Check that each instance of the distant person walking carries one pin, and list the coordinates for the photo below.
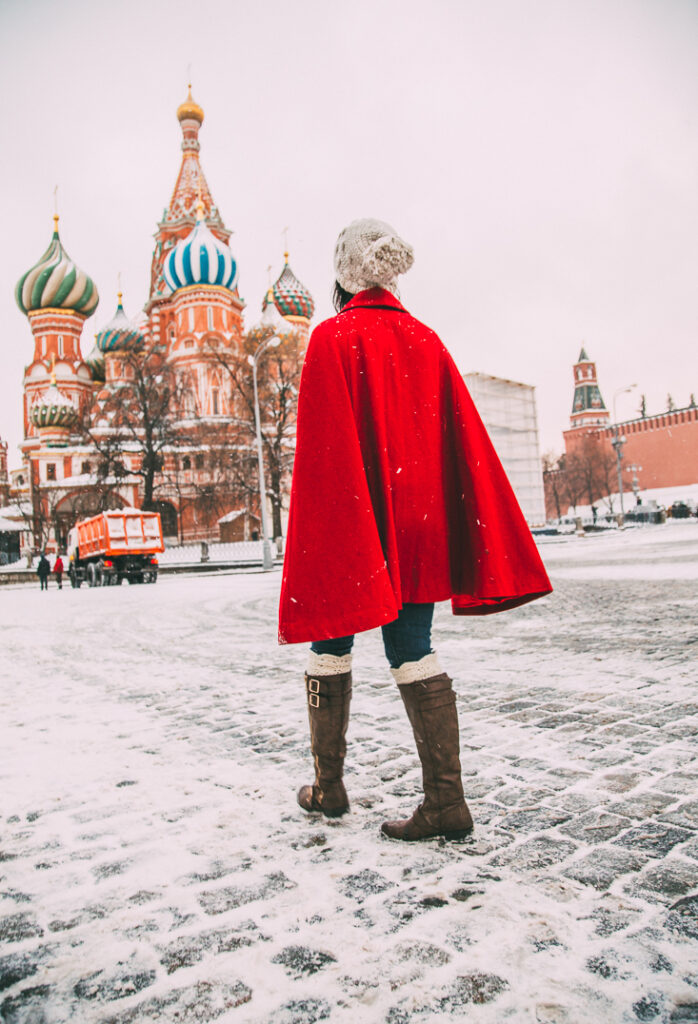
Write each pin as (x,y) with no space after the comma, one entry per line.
(398,501)
(43,570)
(58,571)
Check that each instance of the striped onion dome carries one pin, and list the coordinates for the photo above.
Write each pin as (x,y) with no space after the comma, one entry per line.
(200,258)
(95,362)
(53,409)
(120,334)
(291,298)
(56,283)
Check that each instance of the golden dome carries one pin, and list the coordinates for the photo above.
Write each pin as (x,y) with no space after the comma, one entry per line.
(190,109)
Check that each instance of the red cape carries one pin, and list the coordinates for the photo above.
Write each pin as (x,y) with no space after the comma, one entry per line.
(397,493)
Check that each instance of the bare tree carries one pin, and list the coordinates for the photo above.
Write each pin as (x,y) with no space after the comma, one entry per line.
(589,469)
(278,379)
(553,481)
(139,417)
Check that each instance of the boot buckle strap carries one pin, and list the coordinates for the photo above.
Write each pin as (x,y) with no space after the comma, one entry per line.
(314,693)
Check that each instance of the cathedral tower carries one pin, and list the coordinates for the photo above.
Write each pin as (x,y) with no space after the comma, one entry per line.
(57,297)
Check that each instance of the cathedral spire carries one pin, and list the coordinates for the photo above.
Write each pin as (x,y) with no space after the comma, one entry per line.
(190,200)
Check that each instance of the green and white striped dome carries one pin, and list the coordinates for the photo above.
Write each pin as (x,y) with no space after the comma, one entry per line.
(95,362)
(56,283)
(53,409)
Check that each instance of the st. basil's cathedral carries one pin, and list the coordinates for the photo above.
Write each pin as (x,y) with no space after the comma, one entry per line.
(193,311)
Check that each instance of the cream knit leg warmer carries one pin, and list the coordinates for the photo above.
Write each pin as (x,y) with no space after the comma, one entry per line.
(328,664)
(414,671)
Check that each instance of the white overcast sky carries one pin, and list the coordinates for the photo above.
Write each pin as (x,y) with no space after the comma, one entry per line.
(540,155)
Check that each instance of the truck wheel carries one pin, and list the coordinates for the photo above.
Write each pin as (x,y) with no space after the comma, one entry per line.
(92,575)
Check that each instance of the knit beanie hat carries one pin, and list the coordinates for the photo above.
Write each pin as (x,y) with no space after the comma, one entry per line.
(369,254)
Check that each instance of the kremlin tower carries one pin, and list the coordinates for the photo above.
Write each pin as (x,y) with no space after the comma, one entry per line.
(588,407)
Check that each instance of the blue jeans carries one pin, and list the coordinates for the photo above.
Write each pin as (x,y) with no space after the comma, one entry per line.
(408,638)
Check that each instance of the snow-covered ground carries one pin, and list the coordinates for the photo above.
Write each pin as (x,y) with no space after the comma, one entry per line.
(155,867)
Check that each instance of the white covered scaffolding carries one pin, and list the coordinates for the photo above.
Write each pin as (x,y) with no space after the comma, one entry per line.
(508,410)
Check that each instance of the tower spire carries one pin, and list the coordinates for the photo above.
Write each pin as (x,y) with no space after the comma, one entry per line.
(191,198)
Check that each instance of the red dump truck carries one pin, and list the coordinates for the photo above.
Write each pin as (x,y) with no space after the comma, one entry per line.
(118,545)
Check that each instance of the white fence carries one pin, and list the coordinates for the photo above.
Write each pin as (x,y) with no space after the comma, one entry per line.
(246,552)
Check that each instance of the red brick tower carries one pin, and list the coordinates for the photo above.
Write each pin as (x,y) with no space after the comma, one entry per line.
(588,409)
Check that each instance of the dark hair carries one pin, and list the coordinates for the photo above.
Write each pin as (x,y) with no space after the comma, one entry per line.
(340,296)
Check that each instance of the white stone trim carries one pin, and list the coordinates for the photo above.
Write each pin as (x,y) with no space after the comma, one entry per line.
(328,664)
(413,671)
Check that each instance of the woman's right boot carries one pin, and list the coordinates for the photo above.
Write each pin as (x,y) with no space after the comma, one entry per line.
(328,689)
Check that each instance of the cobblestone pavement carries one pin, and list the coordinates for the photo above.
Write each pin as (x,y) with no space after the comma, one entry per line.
(154,865)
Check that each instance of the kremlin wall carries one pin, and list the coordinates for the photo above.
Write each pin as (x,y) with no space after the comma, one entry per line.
(663,448)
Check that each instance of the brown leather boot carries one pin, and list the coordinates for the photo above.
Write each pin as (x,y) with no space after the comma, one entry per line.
(431,709)
(328,710)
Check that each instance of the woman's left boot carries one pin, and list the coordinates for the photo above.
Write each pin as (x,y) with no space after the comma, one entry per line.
(430,703)
(328,688)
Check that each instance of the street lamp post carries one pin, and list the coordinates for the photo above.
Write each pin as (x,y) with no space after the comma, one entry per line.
(272,342)
(635,481)
(617,441)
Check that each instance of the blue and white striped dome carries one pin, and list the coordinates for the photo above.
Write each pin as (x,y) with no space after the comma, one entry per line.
(120,334)
(200,258)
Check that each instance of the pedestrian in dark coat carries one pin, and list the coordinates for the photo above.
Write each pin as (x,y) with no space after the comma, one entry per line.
(58,571)
(43,570)
(398,501)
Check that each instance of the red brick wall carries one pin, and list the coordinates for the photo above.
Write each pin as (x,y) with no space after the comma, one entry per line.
(666,446)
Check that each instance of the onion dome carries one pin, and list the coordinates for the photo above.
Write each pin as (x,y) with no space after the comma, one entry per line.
(95,363)
(120,334)
(56,283)
(53,410)
(291,298)
(271,318)
(190,110)
(200,258)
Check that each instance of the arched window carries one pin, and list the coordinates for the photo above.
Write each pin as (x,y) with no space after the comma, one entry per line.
(209,317)
(214,401)
(168,517)
(186,462)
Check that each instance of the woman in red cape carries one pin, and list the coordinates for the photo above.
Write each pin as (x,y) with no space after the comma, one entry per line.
(398,500)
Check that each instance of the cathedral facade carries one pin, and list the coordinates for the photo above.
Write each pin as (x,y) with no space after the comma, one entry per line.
(190,332)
